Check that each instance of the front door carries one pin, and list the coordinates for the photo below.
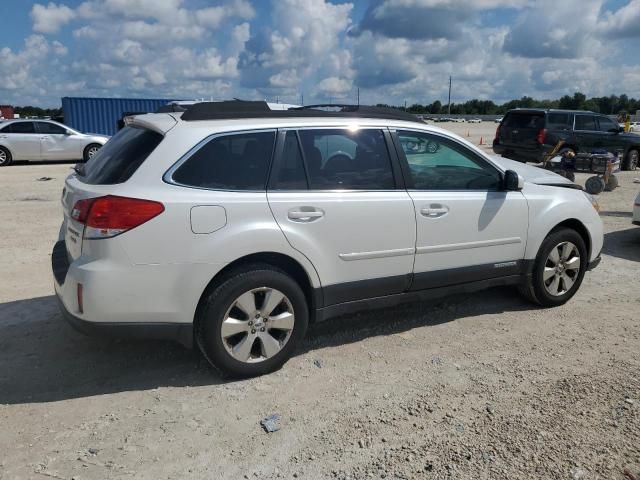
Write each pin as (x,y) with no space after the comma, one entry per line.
(57,144)
(468,229)
(334,194)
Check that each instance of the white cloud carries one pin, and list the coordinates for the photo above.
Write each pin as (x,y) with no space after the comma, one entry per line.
(50,18)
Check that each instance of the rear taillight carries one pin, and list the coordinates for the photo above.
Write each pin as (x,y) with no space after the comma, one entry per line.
(106,217)
(542,136)
(498,133)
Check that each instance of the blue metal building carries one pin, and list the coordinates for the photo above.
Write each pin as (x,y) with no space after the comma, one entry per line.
(101,115)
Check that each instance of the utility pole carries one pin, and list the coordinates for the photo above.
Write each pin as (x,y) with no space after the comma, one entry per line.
(358,96)
(449,104)
(302,99)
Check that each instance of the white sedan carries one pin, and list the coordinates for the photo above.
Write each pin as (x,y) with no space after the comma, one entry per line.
(45,140)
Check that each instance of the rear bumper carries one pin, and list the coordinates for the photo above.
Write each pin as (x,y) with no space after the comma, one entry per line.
(179,332)
(521,154)
(66,279)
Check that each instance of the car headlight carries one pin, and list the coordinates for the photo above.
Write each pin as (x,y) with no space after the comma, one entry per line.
(592,200)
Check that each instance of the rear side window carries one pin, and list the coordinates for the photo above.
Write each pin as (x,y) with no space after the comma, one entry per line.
(585,122)
(19,127)
(559,121)
(229,162)
(291,174)
(121,156)
(524,120)
(347,160)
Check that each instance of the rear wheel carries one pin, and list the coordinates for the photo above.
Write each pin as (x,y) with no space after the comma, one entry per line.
(251,323)
(632,160)
(5,157)
(558,269)
(90,150)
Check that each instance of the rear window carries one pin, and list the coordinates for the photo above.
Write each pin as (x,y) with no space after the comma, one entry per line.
(524,120)
(121,156)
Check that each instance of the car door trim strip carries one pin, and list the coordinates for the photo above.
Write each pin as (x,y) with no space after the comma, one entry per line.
(467,245)
(398,252)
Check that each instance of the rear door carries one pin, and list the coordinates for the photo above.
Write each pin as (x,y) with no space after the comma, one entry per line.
(22,139)
(468,228)
(521,129)
(335,195)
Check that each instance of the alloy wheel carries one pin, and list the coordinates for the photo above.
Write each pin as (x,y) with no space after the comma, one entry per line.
(561,269)
(3,157)
(92,151)
(258,325)
(633,160)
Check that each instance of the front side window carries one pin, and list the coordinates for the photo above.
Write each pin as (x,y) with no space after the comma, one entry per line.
(436,163)
(229,162)
(585,122)
(19,127)
(607,125)
(347,159)
(51,128)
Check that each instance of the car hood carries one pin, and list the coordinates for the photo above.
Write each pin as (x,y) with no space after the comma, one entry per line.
(532,174)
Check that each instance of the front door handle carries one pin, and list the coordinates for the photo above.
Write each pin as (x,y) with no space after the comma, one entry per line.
(435,210)
(305,214)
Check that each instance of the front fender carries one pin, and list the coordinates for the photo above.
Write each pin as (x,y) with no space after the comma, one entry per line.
(550,206)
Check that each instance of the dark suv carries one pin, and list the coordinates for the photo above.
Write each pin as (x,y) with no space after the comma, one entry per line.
(528,134)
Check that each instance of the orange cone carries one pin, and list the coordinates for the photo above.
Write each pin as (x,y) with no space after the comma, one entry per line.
(481,141)
(468,134)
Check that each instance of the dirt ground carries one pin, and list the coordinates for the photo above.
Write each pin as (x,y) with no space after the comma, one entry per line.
(481,387)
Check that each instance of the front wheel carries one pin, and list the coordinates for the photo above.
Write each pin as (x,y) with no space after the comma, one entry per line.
(251,323)
(632,160)
(558,269)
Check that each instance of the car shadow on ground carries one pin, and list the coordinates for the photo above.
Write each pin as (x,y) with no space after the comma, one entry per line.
(42,359)
(623,244)
(16,163)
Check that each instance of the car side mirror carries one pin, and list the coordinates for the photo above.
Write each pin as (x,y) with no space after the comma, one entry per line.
(512,181)
(68,132)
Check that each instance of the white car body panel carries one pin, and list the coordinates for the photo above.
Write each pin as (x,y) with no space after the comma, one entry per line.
(158,271)
(47,146)
(636,210)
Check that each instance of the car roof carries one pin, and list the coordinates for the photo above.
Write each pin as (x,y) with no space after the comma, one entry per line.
(549,110)
(163,122)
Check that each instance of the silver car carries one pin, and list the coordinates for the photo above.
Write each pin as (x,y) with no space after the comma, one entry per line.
(45,140)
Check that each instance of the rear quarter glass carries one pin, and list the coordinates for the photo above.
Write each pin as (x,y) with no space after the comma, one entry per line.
(121,156)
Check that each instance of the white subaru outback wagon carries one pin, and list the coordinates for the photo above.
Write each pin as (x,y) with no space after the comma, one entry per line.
(235,226)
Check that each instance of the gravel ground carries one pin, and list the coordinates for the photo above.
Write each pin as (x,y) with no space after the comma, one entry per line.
(482,387)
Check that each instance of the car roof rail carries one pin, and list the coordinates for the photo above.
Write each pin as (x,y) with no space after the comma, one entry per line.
(239,109)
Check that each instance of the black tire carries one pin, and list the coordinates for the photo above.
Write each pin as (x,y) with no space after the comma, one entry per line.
(612,184)
(632,160)
(219,301)
(595,185)
(86,154)
(5,157)
(535,290)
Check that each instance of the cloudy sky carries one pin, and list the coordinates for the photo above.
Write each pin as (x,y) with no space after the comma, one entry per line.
(394,50)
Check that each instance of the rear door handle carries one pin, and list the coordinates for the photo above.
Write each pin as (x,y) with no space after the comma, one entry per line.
(305,214)
(435,210)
